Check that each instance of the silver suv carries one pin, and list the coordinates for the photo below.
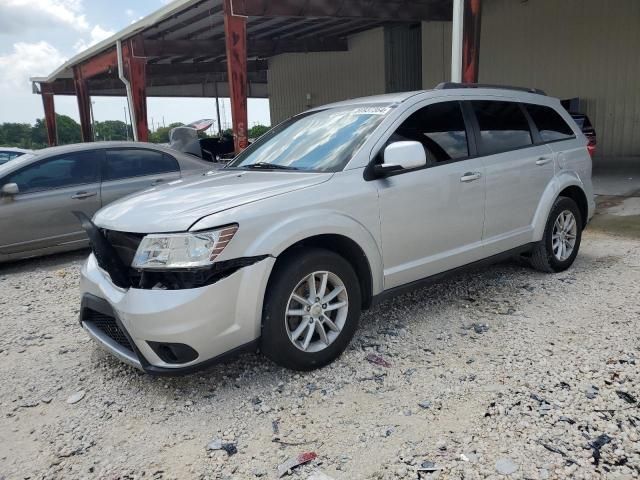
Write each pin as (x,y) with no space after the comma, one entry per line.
(327,214)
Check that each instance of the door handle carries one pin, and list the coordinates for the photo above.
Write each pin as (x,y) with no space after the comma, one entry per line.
(81,195)
(470,177)
(543,161)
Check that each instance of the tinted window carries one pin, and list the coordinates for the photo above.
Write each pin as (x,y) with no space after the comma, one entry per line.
(63,171)
(550,124)
(6,156)
(135,162)
(441,130)
(503,126)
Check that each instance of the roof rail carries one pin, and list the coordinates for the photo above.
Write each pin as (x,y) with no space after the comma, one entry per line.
(451,85)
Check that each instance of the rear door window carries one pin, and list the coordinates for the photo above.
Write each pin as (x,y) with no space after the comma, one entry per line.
(440,128)
(65,170)
(136,162)
(503,126)
(550,124)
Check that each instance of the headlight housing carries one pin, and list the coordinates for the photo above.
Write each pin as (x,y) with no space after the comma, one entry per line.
(164,251)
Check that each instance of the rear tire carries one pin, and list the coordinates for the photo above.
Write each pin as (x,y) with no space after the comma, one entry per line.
(311,310)
(561,240)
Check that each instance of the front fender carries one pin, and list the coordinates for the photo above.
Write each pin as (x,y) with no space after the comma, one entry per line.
(298,227)
(558,184)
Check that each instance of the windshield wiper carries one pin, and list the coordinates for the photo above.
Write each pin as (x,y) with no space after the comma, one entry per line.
(267,166)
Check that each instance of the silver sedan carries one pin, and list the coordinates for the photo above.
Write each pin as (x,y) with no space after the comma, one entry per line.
(40,190)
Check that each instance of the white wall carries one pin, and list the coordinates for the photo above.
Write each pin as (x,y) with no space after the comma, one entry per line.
(327,76)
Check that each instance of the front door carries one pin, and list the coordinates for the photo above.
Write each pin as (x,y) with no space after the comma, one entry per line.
(432,218)
(40,215)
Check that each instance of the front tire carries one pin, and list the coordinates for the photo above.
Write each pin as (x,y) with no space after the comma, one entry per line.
(561,240)
(311,310)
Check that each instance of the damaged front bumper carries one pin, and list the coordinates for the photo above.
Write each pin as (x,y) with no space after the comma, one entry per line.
(174,331)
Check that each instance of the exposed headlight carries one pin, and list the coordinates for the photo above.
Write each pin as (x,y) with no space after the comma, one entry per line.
(182,250)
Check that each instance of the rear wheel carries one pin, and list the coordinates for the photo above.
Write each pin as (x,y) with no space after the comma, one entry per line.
(311,309)
(561,240)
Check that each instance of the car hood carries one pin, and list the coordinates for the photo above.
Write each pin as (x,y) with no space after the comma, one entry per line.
(178,205)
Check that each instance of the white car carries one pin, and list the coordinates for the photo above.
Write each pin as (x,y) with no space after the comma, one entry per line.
(9,153)
(328,213)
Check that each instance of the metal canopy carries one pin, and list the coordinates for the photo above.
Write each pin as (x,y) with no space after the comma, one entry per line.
(213,48)
(184,43)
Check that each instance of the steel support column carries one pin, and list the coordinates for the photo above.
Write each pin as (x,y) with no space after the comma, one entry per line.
(136,68)
(46,91)
(84,104)
(235,28)
(472,20)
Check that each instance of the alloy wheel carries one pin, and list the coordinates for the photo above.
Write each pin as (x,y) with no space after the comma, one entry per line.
(316,311)
(563,236)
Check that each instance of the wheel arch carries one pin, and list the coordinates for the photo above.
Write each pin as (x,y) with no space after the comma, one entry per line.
(577,194)
(566,184)
(348,249)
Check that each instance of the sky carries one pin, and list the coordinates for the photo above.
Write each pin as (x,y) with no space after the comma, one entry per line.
(36,37)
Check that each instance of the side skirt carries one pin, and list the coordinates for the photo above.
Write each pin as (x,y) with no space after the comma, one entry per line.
(423,282)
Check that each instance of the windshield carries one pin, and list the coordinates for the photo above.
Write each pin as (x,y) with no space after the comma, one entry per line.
(319,141)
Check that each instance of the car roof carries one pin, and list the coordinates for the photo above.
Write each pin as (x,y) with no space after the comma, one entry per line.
(386,98)
(33,156)
(479,93)
(78,147)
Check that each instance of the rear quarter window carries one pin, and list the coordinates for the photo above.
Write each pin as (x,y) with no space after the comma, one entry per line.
(550,123)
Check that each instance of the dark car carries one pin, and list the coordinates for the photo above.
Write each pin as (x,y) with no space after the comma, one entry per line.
(587,128)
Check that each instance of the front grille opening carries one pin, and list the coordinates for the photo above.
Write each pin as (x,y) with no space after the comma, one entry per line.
(107,325)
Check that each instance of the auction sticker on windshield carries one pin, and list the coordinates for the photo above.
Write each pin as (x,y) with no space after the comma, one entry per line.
(371,111)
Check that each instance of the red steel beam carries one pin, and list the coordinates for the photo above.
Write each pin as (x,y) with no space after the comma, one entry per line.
(136,71)
(104,62)
(46,90)
(84,104)
(235,28)
(471,40)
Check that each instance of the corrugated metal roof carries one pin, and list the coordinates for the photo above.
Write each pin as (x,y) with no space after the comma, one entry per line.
(166,13)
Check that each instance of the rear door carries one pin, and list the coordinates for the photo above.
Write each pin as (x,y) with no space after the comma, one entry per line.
(517,172)
(128,170)
(40,215)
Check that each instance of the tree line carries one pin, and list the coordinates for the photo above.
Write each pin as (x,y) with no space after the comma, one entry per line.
(25,135)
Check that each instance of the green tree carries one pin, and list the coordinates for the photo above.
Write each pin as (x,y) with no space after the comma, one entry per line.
(257,131)
(113,130)
(68,132)
(39,137)
(15,135)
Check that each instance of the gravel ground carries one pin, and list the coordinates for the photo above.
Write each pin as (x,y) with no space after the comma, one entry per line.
(503,371)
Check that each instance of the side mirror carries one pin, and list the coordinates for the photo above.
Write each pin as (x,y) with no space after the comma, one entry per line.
(9,189)
(402,156)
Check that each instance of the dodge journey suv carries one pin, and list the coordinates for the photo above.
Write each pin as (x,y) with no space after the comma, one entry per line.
(327,214)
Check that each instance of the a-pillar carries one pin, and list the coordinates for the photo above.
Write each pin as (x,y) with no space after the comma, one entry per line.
(135,65)
(235,28)
(472,20)
(46,91)
(84,104)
